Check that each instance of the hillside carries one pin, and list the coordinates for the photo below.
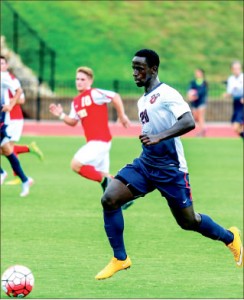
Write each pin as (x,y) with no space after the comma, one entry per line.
(105,35)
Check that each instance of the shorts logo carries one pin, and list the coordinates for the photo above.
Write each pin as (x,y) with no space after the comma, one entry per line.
(154,98)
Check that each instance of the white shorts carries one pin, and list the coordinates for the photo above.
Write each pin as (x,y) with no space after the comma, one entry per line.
(5,141)
(96,154)
(14,129)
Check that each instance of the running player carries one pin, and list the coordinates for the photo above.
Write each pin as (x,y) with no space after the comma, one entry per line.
(235,90)
(90,108)
(16,123)
(6,148)
(164,116)
(197,95)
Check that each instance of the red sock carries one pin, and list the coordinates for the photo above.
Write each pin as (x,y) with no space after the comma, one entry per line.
(91,173)
(18,149)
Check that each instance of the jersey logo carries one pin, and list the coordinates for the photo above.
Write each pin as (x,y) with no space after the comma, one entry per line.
(154,98)
(82,113)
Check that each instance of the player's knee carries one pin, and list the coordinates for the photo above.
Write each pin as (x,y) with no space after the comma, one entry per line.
(75,166)
(107,202)
(188,224)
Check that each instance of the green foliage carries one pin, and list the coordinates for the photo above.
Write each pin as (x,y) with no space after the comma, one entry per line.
(106,34)
(57,231)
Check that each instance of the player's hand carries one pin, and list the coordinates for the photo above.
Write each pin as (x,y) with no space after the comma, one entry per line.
(56,110)
(6,108)
(124,120)
(149,139)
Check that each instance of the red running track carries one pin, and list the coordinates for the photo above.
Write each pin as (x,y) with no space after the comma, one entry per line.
(56,128)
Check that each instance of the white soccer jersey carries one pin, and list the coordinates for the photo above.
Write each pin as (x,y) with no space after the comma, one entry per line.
(7,83)
(235,86)
(158,111)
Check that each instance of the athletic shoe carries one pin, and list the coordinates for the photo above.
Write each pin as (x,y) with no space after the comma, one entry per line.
(127,205)
(105,182)
(114,266)
(26,187)
(36,150)
(15,181)
(3,176)
(236,246)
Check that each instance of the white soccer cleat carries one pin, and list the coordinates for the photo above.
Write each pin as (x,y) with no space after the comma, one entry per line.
(3,176)
(26,187)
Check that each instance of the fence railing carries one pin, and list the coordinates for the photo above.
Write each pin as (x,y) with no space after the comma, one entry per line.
(37,104)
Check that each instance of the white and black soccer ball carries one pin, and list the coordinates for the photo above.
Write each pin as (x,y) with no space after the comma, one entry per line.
(17,281)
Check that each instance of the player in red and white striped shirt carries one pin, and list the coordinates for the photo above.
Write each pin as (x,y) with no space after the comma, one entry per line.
(90,108)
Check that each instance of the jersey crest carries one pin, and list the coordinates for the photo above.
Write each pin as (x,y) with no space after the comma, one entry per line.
(154,98)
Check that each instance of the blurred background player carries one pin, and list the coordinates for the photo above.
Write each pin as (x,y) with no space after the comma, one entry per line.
(16,123)
(235,90)
(90,108)
(197,95)
(6,147)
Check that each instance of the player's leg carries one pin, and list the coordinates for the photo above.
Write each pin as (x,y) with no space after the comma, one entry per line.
(190,220)
(14,131)
(16,179)
(238,128)
(115,195)
(3,175)
(87,159)
(238,118)
(201,120)
(127,185)
(195,113)
(7,150)
(179,200)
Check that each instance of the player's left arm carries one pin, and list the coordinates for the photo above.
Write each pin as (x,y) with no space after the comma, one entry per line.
(184,124)
(119,106)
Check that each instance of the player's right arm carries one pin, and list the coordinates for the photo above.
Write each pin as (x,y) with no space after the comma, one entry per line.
(12,101)
(8,83)
(57,110)
(118,105)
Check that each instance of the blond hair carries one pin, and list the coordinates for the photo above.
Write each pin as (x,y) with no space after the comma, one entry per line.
(86,70)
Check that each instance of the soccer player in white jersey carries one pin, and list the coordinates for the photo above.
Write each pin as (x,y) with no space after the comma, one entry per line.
(164,116)
(235,90)
(90,108)
(16,123)
(6,148)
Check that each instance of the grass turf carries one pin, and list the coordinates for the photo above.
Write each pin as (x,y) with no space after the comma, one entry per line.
(105,35)
(57,231)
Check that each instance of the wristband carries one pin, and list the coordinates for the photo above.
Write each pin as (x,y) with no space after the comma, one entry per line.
(62,116)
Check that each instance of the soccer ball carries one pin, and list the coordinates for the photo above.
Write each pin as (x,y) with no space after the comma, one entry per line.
(17,281)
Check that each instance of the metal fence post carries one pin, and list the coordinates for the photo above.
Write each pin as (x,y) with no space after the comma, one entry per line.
(52,66)
(40,80)
(116,89)
(16,32)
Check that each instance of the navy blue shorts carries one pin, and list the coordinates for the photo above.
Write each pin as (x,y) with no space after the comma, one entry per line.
(238,112)
(142,179)
(198,103)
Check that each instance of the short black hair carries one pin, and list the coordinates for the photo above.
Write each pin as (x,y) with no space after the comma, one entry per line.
(151,56)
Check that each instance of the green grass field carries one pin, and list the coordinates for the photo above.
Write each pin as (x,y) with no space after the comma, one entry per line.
(106,34)
(57,231)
